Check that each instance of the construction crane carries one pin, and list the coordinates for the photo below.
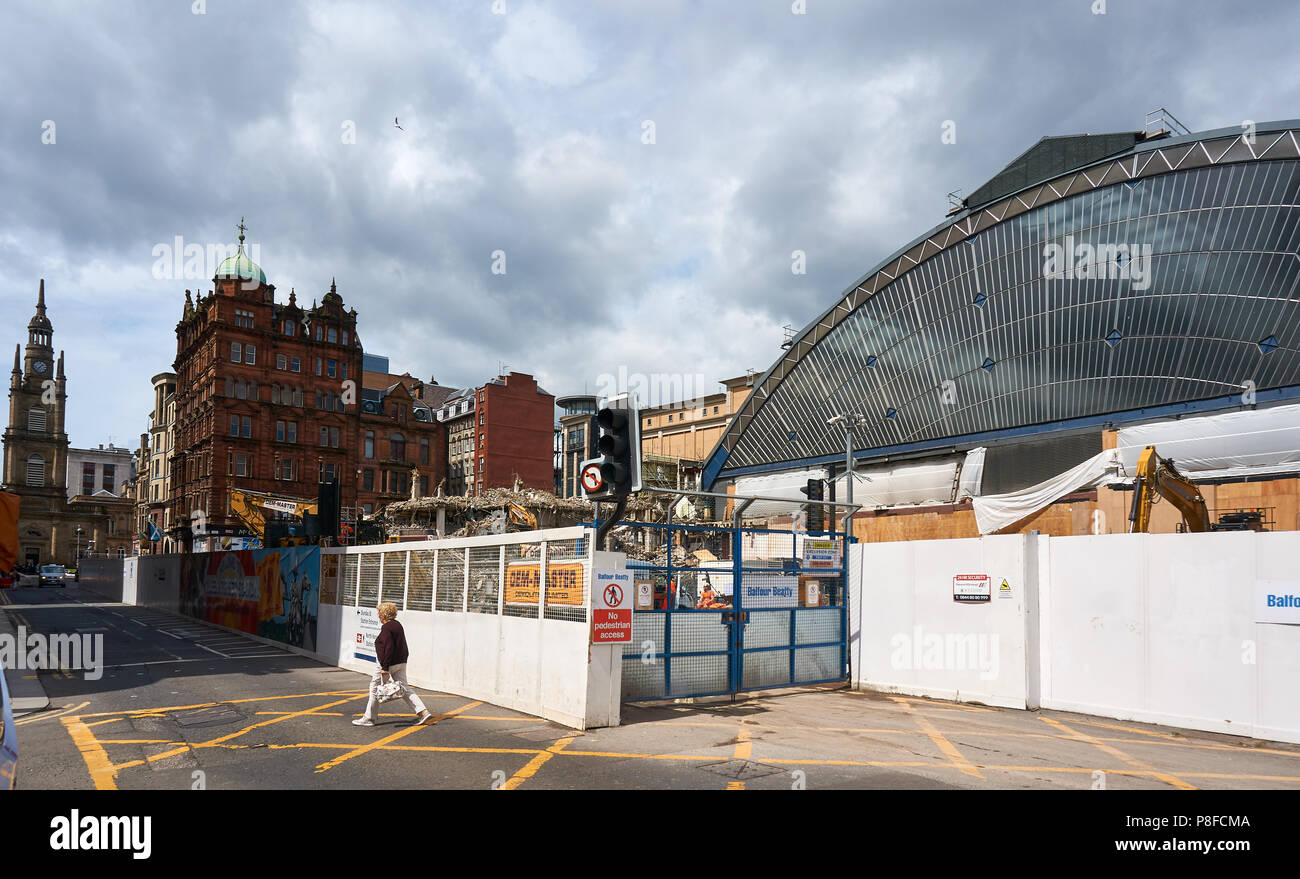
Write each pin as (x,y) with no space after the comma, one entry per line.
(254,507)
(1157,475)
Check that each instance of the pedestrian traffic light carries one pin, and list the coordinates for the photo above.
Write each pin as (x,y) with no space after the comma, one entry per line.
(619,448)
(815,490)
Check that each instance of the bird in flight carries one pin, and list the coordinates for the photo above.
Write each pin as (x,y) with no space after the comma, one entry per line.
(398,127)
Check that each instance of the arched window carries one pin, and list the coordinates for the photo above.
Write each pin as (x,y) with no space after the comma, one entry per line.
(36,419)
(36,470)
(397,447)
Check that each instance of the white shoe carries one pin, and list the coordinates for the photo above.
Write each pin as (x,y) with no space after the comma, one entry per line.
(422,718)
(363,721)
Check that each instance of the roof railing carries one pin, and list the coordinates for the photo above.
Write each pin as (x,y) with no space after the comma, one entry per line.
(1161,121)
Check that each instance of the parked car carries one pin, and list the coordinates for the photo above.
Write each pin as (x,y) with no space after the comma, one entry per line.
(53,575)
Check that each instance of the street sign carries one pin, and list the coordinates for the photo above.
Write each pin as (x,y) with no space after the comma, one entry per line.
(592,481)
(612,594)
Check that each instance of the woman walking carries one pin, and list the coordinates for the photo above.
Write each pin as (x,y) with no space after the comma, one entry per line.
(390,650)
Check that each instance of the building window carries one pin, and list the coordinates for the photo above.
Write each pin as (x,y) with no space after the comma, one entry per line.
(368,509)
(368,479)
(333,335)
(242,467)
(332,368)
(295,364)
(318,360)
(324,436)
(281,361)
(87,478)
(397,447)
(246,427)
(334,437)
(297,397)
(235,352)
(243,318)
(110,480)
(670,420)
(424,486)
(252,391)
(234,425)
(715,410)
(370,444)
(345,337)
(36,419)
(241,390)
(320,333)
(250,354)
(424,450)
(288,328)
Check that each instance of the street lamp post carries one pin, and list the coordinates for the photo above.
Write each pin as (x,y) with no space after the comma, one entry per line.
(78,559)
(850,422)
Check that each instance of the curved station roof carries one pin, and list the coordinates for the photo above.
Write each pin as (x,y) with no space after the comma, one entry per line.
(1095,280)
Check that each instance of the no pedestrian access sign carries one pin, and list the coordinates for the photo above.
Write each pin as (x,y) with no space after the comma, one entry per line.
(591,478)
(611,600)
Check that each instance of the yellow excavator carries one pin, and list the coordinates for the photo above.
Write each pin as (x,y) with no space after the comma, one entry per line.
(254,507)
(1157,475)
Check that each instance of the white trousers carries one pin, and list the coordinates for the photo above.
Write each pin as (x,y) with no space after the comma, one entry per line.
(398,673)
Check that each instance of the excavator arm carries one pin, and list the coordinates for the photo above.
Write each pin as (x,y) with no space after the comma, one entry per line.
(1157,475)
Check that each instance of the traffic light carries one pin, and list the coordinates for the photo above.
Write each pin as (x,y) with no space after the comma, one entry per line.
(617,472)
(815,490)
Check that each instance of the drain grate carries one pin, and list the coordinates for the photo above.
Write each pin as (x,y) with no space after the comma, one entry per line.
(741,770)
(213,715)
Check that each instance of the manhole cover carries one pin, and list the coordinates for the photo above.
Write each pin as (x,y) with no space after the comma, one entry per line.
(741,770)
(213,715)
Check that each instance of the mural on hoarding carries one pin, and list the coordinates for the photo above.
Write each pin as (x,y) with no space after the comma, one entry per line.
(274,593)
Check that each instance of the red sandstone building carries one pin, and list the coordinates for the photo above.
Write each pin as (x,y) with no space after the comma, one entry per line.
(403,445)
(499,432)
(267,398)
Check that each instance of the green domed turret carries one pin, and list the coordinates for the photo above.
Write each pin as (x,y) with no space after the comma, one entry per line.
(239,265)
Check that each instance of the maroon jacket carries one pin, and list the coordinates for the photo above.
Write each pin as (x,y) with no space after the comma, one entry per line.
(390,645)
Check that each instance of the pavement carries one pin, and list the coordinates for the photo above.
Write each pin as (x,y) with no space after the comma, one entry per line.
(181,705)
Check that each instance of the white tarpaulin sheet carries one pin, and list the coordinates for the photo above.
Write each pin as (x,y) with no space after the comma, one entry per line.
(1261,441)
(996,511)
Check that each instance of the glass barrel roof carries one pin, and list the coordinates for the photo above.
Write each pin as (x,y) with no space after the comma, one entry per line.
(1179,286)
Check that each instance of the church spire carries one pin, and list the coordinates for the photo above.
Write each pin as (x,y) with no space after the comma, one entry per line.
(59,375)
(40,300)
(17,359)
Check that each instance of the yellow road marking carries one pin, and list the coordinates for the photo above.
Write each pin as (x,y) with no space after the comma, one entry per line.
(102,772)
(941,741)
(172,753)
(136,712)
(47,716)
(1116,752)
(356,752)
(744,747)
(531,767)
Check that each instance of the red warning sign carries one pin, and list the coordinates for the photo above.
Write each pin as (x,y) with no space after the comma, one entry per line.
(591,478)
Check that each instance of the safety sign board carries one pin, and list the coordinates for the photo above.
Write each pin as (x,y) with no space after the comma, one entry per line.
(972,587)
(821,556)
(592,481)
(1004,591)
(368,627)
(612,595)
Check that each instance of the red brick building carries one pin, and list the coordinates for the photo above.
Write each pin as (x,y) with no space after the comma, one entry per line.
(401,441)
(502,430)
(267,397)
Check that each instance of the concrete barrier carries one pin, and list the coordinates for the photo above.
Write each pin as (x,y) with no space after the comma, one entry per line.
(101,576)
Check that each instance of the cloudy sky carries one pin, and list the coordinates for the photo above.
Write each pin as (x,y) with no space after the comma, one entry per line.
(647,168)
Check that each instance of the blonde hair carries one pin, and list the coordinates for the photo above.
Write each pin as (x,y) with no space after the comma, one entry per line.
(387,611)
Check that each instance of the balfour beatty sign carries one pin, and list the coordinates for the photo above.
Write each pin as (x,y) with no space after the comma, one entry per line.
(612,595)
(1277,601)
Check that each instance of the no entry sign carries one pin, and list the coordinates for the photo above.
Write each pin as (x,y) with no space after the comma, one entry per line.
(611,600)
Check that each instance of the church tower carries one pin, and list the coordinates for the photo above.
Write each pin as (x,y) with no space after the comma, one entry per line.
(35,441)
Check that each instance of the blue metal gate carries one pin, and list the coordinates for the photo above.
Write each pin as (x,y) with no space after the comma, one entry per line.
(733,610)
